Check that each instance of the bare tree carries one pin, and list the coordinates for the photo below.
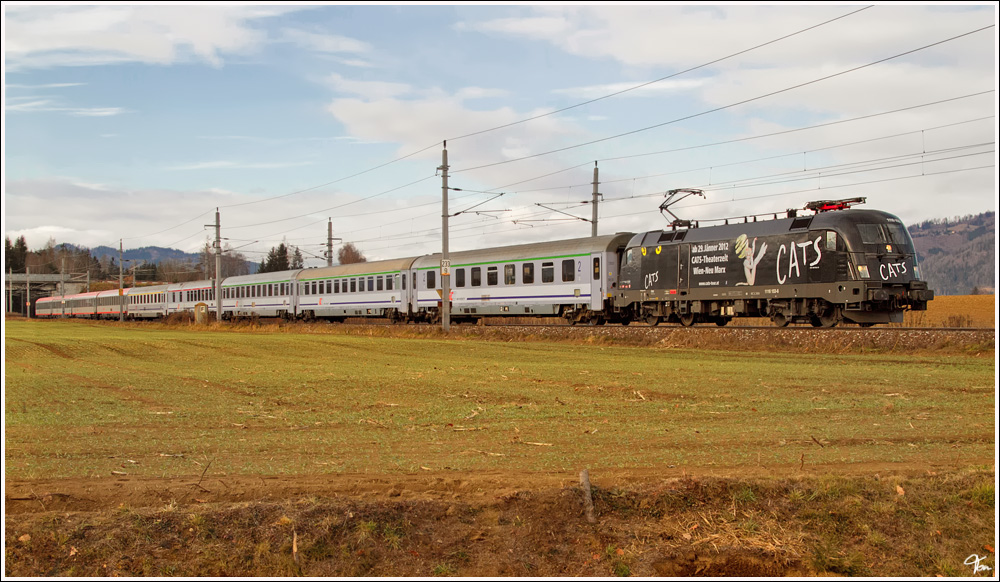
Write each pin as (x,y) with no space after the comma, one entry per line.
(349,254)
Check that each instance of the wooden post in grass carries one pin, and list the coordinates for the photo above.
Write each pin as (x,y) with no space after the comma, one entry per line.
(588,500)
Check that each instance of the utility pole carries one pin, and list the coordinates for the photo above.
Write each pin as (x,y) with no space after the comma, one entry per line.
(445,261)
(329,243)
(121,279)
(10,290)
(218,267)
(62,285)
(593,221)
(27,288)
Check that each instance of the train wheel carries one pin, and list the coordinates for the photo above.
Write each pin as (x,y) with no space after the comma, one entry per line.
(779,319)
(830,318)
(866,324)
(722,321)
(653,320)
(687,320)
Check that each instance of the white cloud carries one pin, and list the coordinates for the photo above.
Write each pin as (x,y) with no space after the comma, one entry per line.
(324,43)
(355,63)
(226,165)
(671,36)
(479,93)
(669,86)
(50,106)
(47,36)
(368,89)
(540,27)
(44,86)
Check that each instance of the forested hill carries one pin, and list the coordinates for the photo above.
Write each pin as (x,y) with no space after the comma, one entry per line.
(148,254)
(957,256)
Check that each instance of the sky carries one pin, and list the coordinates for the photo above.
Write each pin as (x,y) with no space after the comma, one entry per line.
(134,123)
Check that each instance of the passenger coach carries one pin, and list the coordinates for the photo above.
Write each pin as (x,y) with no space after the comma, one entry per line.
(572,279)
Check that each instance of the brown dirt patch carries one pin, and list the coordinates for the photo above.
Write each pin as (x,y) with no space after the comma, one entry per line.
(771,521)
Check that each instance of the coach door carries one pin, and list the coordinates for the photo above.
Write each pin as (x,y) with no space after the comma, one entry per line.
(597,285)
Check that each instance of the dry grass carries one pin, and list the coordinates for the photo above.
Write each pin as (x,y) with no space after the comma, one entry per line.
(680,527)
(956,311)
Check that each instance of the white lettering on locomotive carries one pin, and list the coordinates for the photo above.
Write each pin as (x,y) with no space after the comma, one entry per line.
(793,258)
(889,270)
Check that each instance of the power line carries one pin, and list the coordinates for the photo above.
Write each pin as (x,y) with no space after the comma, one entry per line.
(332,207)
(744,101)
(803,152)
(749,138)
(657,80)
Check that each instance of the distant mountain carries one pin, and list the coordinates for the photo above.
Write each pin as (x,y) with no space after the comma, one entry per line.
(957,255)
(148,254)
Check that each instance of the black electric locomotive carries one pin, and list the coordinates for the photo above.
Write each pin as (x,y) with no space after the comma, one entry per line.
(836,265)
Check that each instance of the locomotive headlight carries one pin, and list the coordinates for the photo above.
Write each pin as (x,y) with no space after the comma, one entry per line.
(916,271)
(863,272)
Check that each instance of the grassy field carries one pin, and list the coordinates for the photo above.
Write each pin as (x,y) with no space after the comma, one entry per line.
(85,399)
(151,450)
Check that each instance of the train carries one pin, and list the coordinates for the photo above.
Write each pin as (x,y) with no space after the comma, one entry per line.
(838,264)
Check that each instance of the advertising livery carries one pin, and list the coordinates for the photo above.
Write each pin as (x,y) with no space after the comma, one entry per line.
(848,265)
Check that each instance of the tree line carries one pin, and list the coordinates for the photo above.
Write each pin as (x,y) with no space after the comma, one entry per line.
(54,258)
(79,262)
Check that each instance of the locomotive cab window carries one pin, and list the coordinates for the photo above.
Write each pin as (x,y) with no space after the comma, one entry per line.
(880,234)
(629,257)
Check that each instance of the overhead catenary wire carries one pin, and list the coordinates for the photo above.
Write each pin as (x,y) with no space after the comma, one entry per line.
(613,94)
(721,108)
(670,76)
(748,138)
(754,160)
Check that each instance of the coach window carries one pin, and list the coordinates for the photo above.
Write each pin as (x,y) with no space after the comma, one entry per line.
(378,283)
(492,276)
(371,283)
(431,279)
(597,268)
(403,281)
(354,284)
(548,272)
(509,275)
(459,277)
(329,286)
(388,282)
(567,270)
(336,286)
(528,273)
(477,276)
